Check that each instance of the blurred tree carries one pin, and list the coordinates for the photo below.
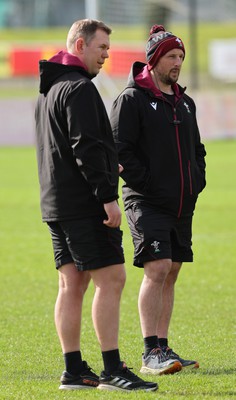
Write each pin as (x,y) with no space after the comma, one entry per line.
(160,11)
(157,12)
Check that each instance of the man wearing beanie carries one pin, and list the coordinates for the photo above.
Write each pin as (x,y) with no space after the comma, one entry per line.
(157,137)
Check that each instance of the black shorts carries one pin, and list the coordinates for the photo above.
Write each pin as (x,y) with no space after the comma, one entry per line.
(87,242)
(157,236)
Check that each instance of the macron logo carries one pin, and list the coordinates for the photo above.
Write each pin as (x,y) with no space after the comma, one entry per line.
(154,105)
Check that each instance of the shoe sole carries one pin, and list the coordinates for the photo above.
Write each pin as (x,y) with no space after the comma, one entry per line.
(190,366)
(76,387)
(169,369)
(112,388)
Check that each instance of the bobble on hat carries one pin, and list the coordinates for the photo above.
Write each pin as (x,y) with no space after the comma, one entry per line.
(157,28)
(159,43)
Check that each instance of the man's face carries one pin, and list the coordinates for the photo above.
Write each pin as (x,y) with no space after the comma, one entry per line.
(168,67)
(96,52)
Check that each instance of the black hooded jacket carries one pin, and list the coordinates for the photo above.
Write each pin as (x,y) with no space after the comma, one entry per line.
(77,159)
(159,146)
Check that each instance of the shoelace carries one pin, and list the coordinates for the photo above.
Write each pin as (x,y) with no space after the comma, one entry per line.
(170,352)
(129,373)
(158,353)
(88,369)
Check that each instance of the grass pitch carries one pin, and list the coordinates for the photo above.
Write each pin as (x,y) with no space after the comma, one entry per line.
(203,322)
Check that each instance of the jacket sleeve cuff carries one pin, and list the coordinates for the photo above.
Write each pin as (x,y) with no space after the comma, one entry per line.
(110,199)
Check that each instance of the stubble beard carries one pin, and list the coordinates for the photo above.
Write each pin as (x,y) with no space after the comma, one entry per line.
(168,80)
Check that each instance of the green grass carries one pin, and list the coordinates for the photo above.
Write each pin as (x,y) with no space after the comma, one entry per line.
(121,33)
(204,315)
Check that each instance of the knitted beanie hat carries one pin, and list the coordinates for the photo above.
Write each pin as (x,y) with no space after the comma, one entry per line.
(159,43)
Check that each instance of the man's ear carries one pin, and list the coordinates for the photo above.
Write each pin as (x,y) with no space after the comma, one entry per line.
(79,45)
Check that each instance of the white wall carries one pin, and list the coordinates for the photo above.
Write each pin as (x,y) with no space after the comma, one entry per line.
(216,113)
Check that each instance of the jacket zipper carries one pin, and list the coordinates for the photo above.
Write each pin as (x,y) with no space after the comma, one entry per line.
(180,165)
(180,160)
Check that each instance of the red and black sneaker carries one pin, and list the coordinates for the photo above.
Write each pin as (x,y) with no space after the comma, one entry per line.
(87,379)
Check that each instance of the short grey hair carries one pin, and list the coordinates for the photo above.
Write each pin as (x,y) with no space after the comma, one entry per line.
(85,28)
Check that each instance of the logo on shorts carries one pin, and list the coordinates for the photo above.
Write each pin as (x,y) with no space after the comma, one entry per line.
(156,244)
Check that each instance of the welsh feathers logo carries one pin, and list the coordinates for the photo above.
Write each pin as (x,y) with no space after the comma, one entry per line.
(187,107)
(156,245)
(179,41)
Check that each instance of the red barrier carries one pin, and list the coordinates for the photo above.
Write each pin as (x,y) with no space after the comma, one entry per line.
(121,60)
(24,62)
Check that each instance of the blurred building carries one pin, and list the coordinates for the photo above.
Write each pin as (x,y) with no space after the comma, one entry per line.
(40,13)
(37,13)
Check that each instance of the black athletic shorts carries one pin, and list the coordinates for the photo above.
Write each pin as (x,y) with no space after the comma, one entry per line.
(158,236)
(87,242)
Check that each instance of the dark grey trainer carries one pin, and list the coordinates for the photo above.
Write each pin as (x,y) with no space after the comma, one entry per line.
(156,363)
(170,355)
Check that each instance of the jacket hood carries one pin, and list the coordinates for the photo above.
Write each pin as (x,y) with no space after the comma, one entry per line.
(61,63)
(140,77)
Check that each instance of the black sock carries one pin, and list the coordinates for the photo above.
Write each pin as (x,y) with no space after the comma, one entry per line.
(73,362)
(163,342)
(111,360)
(150,343)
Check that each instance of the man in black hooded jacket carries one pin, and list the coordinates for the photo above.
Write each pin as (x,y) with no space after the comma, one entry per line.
(78,174)
(155,128)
